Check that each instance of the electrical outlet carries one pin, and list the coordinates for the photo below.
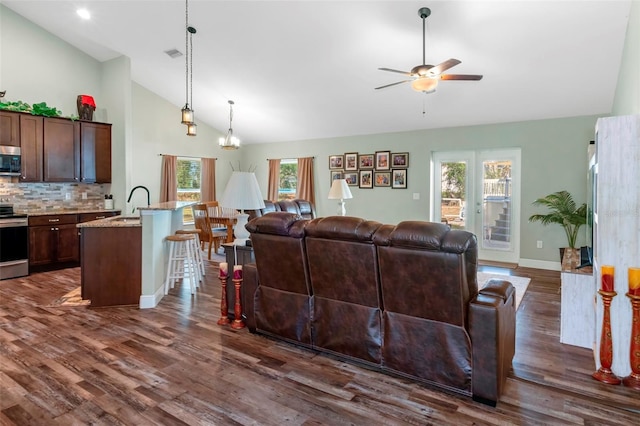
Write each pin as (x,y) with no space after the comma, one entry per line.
(84,195)
(67,196)
(539,244)
(416,195)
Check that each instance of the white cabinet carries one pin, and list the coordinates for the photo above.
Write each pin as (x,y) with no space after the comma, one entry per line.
(616,225)
(578,309)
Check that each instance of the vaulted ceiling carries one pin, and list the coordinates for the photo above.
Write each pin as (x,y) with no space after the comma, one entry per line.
(302,70)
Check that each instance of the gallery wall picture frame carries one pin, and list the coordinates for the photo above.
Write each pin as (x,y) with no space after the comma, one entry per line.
(382,179)
(399,178)
(366,179)
(350,161)
(383,160)
(351,178)
(399,160)
(336,162)
(366,161)
(335,174)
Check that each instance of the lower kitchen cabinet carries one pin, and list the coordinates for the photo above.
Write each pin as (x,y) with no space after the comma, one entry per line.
(111,267)
(53,239)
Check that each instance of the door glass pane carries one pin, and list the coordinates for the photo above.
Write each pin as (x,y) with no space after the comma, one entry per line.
(453,193)
(496,205)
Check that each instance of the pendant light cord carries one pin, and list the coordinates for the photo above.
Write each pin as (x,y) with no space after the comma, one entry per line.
(186,52)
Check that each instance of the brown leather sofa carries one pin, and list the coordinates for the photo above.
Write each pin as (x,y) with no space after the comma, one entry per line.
(303,208)
(401,299)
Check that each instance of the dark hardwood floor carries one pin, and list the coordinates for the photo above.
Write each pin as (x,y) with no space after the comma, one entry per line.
(173,365)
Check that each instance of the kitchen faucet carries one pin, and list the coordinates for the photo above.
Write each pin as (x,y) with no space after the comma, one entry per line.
(131,195)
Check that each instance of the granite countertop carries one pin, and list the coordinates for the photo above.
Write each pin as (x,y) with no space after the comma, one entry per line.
(113,222)
(169,205)
(41,212)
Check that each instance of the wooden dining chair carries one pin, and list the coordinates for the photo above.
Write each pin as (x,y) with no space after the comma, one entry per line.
(208,234)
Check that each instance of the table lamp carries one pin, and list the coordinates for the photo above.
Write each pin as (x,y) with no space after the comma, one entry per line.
(242,193)
(340,191)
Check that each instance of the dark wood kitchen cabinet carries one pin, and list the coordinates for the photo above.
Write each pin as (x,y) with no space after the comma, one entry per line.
(95,152)
(53,240)
(61,150)
(9,128)
(31,139)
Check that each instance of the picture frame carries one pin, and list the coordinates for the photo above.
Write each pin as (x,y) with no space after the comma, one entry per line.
(366,161)
(365,179)
(351,161)
(335,174)
(336,162)
(352,178)
(383,160)
(400,160)
(399,178)
(382,179)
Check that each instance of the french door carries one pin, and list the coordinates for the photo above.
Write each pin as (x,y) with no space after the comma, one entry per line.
(479,191)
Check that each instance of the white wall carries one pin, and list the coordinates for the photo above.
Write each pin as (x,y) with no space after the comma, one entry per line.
(554,157)
(627,98)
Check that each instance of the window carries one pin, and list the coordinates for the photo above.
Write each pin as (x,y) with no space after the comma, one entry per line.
(188,176)
(288,179)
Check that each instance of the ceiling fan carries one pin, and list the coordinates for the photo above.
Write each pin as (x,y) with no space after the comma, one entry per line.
(425,77)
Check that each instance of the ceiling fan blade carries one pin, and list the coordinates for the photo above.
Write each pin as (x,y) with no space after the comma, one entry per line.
(474,77)
(398,71)
(438,69)
(393,84)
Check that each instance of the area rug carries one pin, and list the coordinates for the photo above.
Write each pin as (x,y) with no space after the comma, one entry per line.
(70,299)
(520,283)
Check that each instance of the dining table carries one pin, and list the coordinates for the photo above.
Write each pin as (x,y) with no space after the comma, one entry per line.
(225,218)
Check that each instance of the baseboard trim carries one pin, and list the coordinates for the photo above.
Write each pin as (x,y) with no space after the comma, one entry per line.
(152,300)
(540,264)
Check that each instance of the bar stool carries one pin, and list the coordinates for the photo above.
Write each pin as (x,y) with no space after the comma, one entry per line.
(196,247)
(182,263)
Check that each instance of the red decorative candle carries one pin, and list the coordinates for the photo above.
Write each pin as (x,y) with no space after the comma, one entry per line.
(224,269)
(634,281)
(237,272)
(607,278)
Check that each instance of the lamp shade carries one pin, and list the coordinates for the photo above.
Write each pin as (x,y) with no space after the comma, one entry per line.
(242,192)
(339,190)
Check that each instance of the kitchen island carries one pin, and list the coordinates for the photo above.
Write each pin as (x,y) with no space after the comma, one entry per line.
(154,224)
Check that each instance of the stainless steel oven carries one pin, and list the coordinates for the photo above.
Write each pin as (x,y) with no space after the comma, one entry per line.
(14,244)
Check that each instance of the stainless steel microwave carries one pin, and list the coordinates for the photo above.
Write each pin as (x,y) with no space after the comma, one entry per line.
(9,160)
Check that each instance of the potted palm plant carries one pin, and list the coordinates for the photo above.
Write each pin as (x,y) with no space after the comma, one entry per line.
(564,212)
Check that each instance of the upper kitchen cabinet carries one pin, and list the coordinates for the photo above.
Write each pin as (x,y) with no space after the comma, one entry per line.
(95,152)
(61,150)
(31,136)
(9,129)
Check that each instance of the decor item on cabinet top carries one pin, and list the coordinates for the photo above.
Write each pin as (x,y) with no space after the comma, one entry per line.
(36,109)
(86,106)
(564,213)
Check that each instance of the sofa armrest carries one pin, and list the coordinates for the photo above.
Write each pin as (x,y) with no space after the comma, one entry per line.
(249,287)
(492,328)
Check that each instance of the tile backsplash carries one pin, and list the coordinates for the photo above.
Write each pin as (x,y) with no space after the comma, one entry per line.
(52,196)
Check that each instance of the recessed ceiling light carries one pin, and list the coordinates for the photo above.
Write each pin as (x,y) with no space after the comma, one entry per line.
(83,13)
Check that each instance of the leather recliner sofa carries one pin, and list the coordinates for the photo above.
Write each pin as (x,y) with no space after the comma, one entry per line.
(303,208)
(401,299)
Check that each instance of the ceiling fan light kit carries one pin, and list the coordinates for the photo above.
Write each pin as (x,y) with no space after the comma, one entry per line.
(425,77)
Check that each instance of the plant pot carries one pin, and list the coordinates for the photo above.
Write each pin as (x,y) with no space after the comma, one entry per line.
(570,258)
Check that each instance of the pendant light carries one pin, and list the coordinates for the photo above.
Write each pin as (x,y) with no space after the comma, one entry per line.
(187,112)
(230,141)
